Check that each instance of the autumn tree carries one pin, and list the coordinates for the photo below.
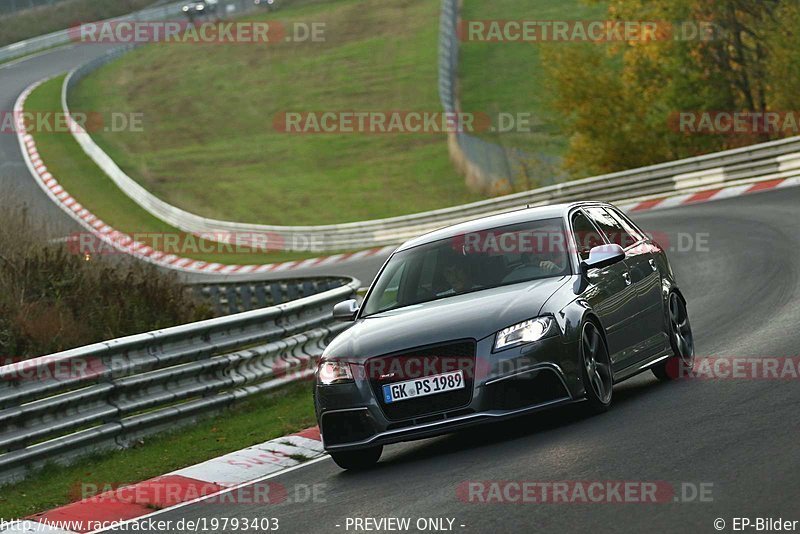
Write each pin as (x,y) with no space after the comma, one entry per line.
(620,98)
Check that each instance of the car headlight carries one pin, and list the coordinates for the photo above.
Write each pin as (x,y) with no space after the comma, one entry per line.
(200,8)
(186,8)
(333,372)
(525,332)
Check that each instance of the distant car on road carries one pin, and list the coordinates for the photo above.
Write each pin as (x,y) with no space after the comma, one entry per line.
(200,8)
(495,318)
(267,4)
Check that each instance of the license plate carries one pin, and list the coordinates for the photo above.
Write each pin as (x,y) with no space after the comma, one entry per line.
(421,387)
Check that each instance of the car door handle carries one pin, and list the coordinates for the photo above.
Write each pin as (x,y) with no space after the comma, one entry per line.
(653,264)
(627,278)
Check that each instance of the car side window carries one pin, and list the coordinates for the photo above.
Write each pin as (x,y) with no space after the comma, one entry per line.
(629,226)
(585,234)
(611,227)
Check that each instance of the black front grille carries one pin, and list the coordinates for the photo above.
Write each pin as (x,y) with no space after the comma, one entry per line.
(421,362)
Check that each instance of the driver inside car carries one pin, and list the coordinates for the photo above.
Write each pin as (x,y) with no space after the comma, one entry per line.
(458,277)
(552,261)
(551,265)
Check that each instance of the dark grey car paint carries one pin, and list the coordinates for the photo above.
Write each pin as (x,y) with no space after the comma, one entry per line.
(629,308)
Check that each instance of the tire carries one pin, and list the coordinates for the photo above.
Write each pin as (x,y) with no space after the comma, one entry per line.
(596,369)
(358,460)
(681,340)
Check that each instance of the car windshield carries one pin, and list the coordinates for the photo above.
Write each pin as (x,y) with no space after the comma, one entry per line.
(471,262)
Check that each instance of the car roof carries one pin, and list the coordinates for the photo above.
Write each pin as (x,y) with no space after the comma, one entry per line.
(552,211)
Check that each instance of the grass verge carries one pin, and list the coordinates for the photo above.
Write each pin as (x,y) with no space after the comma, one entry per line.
(508,76)
(209,145)
(254,421)
(87,183)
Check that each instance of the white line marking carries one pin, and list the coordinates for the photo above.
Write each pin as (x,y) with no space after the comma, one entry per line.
(214,495)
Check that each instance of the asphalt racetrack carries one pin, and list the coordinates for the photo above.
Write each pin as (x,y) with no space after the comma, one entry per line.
(733,440)
(727,447)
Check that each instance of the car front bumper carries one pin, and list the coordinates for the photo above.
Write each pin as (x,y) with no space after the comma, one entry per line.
(508,383)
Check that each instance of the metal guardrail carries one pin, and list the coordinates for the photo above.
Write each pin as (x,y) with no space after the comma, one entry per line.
(777,159)
(163,12)
(487,166)
(43,42)
(236,297)
(105,396)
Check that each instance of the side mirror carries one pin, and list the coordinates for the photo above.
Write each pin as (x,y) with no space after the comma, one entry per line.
(603,256)
(346,311)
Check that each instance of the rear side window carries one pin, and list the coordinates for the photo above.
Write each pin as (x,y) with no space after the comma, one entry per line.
(585,234)
(612,228)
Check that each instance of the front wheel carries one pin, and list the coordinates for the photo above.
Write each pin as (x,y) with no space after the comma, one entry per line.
(596,369)
(359,459)
(681,340)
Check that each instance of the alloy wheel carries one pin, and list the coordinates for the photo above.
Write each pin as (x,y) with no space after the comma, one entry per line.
(597,365)
(681,331)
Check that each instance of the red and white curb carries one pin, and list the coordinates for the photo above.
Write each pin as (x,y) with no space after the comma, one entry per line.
(707,195)
(126,244)
(216,480)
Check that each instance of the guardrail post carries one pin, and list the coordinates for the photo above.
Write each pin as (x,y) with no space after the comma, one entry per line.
(261,296)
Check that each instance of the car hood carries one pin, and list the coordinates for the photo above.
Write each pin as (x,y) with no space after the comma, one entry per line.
(474,315)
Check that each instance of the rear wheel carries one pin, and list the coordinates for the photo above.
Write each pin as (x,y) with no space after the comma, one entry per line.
(596,369)
(680,338)
(359,459)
